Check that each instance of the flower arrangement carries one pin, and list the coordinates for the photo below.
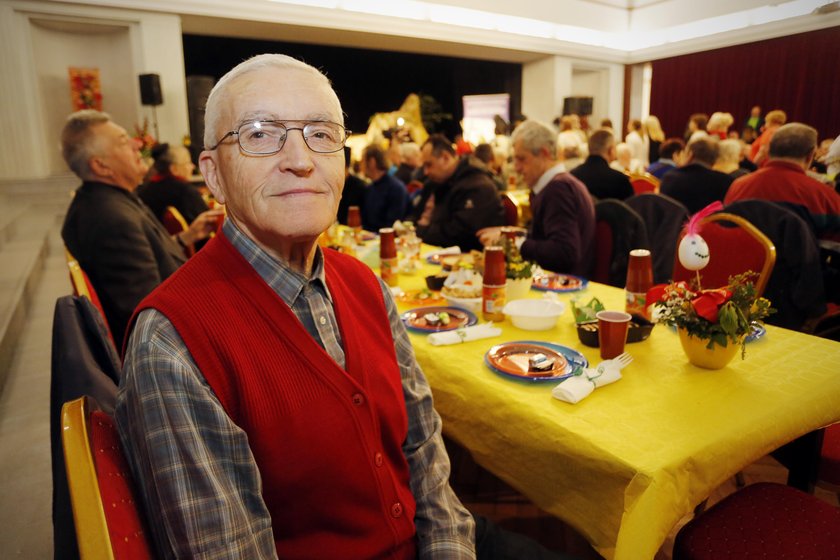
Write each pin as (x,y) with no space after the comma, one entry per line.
(144,138)
(721,316)
(515,266)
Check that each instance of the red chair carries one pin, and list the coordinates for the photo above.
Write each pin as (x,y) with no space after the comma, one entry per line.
(512,210)
(108,521)
(175,223)
(644,183)
(829,473)
(734,249)
(763,520)
(82,287)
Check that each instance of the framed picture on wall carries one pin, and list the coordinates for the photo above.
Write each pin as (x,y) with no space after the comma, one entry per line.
(85,91)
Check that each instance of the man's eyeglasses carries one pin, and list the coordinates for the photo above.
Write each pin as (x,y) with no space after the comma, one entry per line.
(267,137)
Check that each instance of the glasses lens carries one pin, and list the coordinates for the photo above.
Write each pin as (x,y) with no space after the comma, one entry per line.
(324,137)
(262,137)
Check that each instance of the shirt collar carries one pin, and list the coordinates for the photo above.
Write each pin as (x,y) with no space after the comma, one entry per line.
(544,179)
(286,282)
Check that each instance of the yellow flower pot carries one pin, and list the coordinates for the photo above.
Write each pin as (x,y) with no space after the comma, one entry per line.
(715,358)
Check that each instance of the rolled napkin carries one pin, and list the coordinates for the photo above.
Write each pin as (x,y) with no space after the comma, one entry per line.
(465,334)
(454,250)
(575,389)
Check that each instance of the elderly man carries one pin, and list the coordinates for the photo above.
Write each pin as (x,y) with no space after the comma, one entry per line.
(602,181)
(695,183)
(118,242)
(271,404)
(562,233)
(464,198)
(783,179)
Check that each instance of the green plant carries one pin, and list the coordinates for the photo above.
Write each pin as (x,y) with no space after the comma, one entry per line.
(721,316)
(515,266)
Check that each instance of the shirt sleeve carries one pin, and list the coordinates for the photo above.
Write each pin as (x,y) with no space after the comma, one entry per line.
(193,467)
(445,529)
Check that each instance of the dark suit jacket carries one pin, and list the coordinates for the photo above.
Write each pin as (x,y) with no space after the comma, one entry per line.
(122,247)
(172,191)
(695,185)
(601,180)
(562,233)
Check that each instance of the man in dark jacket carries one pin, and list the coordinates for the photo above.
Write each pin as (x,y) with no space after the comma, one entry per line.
(118,242)
(465,200)
(600,179)
(695,183)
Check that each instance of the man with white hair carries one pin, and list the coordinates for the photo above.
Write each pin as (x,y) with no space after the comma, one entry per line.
(783,179)
(562,233)
(271,404)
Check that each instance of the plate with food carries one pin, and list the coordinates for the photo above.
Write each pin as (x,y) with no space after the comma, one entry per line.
(434,258)
(554,282)
(438,318)
(423,296)
(536,361)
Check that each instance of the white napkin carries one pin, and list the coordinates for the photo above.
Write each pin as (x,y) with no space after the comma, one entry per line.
(465,334)
(575,389)
(454,250)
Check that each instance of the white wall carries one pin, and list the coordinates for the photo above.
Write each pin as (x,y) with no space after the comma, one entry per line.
(39,40)
(546,82)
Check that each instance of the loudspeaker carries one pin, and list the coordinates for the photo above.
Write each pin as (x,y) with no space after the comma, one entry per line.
(150,93)
(577,106)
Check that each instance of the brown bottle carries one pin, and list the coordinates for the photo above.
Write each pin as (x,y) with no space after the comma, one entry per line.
(639,281)
(388,261)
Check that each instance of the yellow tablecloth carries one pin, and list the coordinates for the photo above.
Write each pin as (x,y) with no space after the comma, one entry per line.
(625,464)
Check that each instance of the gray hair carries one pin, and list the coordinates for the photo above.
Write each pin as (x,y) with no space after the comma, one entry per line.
(409,150)
(78,143)
(794,141)
(535,136)
(601,141)
(213,108)
(729,150)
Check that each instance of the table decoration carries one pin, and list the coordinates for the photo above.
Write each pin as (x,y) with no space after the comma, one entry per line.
(712,324)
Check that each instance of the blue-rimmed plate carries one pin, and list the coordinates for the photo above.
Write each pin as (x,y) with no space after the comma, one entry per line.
(757,331)
(417,319)
(511,359)
(554,282)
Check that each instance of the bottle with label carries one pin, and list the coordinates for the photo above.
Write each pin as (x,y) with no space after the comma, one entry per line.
(493,290)
(639,281)
(388,261)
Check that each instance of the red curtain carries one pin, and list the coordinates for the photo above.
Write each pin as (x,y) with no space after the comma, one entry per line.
(799,74)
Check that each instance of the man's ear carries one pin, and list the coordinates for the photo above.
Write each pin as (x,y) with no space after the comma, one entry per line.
(98,167)
(207,164)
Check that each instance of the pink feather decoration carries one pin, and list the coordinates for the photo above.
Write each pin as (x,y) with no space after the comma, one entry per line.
(692,227)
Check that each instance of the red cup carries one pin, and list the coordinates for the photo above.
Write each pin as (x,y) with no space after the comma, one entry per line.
(612,332)
(354,217)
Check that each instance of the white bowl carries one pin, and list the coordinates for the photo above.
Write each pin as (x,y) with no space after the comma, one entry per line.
(534,314)
(472,304)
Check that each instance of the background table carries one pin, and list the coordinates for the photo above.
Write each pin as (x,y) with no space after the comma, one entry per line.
(625,464)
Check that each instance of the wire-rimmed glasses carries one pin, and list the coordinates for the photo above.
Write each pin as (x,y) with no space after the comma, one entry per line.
(268,137)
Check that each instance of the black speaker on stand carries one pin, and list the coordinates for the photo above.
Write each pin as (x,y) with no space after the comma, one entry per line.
(151,94)
(581,106)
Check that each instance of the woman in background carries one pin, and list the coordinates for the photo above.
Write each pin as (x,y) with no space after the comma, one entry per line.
(169,184)
(656,136)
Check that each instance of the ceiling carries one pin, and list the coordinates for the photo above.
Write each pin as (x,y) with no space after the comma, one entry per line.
(623,31)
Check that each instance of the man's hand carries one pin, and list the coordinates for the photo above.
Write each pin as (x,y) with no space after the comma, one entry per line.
(203,225)
(489,235)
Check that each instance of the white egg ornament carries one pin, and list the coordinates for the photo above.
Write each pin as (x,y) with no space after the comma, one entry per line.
(693,252)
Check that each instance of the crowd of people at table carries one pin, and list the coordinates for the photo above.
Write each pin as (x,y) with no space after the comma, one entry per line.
(361,452)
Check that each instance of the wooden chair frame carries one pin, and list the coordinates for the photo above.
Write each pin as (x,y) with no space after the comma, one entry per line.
(646,178)
(769,248)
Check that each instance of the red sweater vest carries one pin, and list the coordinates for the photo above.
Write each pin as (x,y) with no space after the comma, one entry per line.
(327,440)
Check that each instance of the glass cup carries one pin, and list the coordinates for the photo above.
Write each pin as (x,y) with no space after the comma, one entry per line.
(612,332)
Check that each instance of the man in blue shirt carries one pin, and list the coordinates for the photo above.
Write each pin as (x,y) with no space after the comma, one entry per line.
(386,199)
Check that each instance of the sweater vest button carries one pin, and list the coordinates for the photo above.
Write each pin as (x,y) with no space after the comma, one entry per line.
(377,459)
(396,510)
(358,399)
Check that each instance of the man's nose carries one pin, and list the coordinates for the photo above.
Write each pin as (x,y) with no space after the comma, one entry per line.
(296,155)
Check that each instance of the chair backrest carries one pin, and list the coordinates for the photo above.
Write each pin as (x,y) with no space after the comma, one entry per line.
(82,287)
(734,249)
(618,230)
(108,520)
(644,183)
(796,286)
(511,208)
(84,362)
(175,223)
(664,219)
